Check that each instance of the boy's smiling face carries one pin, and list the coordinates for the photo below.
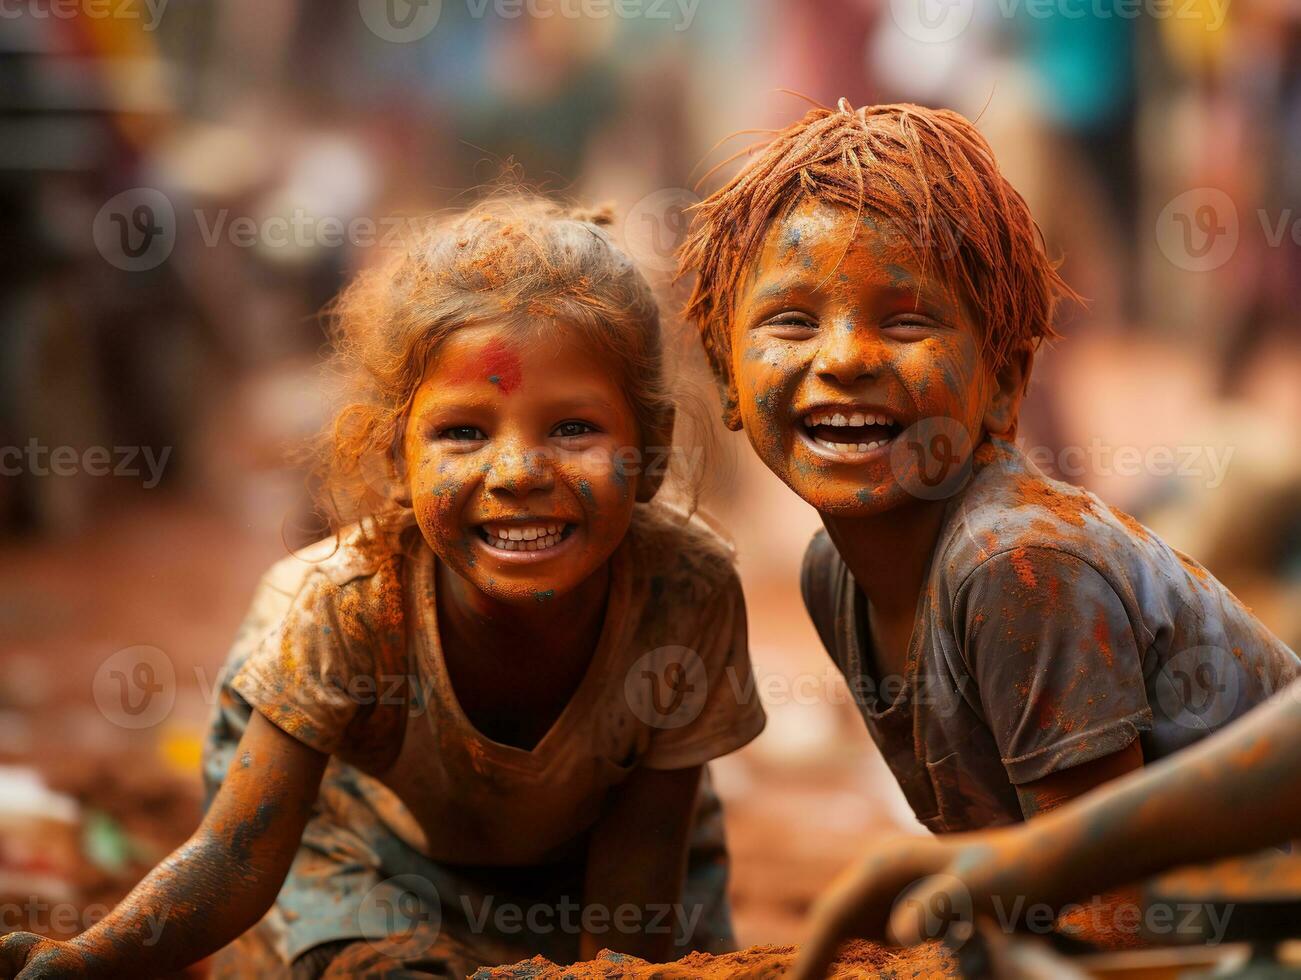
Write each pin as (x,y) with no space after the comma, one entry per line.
(517,461)
(853,387)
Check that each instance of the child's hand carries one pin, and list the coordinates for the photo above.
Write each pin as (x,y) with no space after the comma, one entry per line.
(905,890)
(27,956)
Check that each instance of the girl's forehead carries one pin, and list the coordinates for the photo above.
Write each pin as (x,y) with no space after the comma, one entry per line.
(510,355)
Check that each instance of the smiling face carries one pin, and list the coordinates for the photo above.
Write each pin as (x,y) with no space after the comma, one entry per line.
(513,454)
(860,393)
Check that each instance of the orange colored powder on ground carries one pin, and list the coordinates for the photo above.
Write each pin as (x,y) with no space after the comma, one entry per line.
(857,960)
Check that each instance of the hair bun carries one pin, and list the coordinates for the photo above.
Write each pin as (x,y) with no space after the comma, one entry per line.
(601,214)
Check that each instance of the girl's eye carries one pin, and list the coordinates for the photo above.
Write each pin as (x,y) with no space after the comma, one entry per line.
(462,433)
(567,430)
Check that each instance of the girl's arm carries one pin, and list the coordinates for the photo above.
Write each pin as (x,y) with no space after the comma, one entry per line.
(1232,793)
(637,859)
(210,889)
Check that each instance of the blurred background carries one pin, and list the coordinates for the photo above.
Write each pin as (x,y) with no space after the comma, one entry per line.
(184,184)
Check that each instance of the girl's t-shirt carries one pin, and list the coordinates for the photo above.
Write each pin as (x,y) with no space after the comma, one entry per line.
(347,660)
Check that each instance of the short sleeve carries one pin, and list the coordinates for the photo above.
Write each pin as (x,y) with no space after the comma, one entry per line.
(818,589)
(1054,657)
(701,703)
(314,671)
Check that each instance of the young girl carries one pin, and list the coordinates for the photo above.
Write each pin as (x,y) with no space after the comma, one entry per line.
(471,727)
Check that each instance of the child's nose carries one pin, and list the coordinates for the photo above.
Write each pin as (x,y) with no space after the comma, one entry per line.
(848,354)
(520,470)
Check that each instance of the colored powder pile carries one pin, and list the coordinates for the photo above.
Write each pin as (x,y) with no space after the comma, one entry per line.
(857,960)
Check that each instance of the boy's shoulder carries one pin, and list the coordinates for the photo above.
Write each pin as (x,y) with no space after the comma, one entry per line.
(1010,508)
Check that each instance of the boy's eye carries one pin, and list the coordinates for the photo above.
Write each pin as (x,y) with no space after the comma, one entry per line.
(567,430)
(911,322)
(462,433)
(791,324)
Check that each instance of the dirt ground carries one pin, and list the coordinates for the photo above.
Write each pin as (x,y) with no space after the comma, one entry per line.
(177,575)
(858,961)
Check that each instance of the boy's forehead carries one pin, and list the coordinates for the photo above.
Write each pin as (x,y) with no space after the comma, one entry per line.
(815,238)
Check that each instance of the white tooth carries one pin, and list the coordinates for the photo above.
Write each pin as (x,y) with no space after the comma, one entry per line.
(857,418)
(861,447)
(553,529)
(530,546)
(838,419)
(874,445)
(515,534)
(530,533)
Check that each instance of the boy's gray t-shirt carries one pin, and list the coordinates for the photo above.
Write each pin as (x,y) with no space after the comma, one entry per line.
(1053,631)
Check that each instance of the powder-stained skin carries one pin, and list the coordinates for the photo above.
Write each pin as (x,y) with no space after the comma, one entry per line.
(1123,832)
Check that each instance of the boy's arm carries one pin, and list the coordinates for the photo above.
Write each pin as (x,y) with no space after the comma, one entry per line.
(1146,822)
(1058,788)
(210,889)
(637,856)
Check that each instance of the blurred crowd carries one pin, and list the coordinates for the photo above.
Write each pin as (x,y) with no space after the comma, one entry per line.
(184,185)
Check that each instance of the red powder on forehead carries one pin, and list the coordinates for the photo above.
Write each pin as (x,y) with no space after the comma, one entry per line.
(501,366)
(498,364)
(1068,507)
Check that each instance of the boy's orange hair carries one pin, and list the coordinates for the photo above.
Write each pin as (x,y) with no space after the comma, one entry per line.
(929,174)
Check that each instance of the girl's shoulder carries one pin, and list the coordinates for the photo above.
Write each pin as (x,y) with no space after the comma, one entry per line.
(363,557)
(681,551)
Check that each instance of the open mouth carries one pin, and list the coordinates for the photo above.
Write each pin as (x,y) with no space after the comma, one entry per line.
(535,536)
(850,432)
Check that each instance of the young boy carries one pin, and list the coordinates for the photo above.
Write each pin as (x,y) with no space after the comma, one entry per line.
(871,292)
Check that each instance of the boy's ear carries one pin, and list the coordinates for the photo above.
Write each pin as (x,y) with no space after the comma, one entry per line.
(731,404)
(656,455)
(1010,383)
(726,386)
